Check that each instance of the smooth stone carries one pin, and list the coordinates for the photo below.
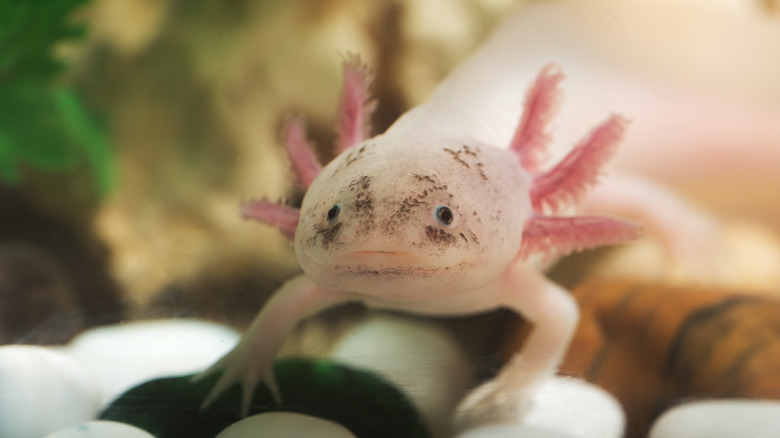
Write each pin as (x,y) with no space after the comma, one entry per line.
(512,431)
(126,355)
(576,408)
(422,359)
(101,429)
(42,391)
(285,425)
(720,419)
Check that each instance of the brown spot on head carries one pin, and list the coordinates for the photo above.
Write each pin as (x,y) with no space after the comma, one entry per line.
(425,178)
(424,186)
(467,157)
(355,155)
(352,155)
(364,204)
(468,151)
(362,207)
(481,169)
(328,235)
(362,182)
(439,236)
(456,156)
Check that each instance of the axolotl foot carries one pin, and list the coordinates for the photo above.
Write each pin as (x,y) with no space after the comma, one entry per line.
(251,361)
(249,370)
(492,403)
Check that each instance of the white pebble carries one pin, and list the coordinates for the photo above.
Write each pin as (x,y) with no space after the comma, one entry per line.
(577,408)
(512,431)
(420,358)
(126,355)
(42,391)
(101,429)
(720,419)
(285,425)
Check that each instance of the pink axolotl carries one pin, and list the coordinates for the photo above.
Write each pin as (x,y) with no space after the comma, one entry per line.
(695,129)
(436,217)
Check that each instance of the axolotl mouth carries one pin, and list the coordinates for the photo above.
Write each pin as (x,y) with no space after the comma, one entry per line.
(381,263)
(392,276)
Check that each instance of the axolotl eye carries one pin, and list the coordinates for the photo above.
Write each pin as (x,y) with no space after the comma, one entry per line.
(444,215)
(333,214)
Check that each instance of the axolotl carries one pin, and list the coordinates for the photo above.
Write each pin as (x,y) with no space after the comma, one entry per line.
(437,216)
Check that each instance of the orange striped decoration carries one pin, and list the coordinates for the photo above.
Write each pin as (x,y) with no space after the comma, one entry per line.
(655,346)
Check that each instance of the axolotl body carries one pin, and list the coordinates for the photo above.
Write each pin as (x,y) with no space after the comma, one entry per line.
(436,217)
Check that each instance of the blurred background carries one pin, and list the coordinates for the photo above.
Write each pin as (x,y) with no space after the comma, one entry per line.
(130,131)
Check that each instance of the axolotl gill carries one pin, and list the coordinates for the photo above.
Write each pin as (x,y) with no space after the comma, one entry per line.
(437,216)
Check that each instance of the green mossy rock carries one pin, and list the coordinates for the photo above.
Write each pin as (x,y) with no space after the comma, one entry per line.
(360,401)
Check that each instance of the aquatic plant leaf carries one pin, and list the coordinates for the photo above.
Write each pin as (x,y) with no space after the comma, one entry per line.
(44,126)
(29,30)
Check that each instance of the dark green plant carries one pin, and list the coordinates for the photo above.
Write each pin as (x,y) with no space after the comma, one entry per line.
(44,126)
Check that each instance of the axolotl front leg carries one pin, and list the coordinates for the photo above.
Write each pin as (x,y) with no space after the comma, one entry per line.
(553,314)
(251,361)
(550,309)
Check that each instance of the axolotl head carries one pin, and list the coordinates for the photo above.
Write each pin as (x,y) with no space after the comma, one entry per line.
(428,209)
(412,218)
